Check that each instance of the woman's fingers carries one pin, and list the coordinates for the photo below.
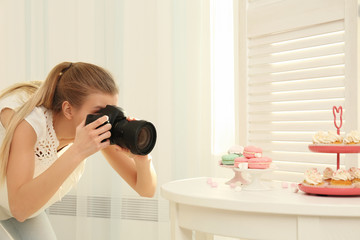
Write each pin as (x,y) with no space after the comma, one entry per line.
(100,126)
(98,122)
(104,135)
(94,136)
(103,129)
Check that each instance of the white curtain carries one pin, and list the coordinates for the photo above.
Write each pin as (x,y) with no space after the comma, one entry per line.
(159,52)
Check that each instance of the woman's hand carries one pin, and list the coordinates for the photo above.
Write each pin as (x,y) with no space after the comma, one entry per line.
(93,137)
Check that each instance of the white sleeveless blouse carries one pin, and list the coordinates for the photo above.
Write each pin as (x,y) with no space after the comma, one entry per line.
(45,151)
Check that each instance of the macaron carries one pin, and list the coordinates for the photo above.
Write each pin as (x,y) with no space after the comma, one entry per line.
(260,163)
(228,159)
(237,149)
(241,162)
(252,152)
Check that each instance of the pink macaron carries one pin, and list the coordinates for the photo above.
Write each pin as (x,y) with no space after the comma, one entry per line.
(260,163)
(241,161)
(252,152)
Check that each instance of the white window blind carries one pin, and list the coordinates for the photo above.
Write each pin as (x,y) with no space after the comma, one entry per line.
(302,58)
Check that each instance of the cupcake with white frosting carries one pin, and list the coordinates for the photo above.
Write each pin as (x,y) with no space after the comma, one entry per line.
(329,137)
(327,174)
(355,174)
(353,137)
(341,178)
(313,177)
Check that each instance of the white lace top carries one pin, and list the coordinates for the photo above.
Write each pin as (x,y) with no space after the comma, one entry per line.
(45,152)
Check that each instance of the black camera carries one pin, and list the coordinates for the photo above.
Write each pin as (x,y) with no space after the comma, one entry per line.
(138,136)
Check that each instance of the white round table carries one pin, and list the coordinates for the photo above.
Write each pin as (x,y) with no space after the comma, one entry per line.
(275,214)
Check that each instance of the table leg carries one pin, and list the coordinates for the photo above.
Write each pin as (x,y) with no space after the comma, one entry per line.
(309,228)
(177,232)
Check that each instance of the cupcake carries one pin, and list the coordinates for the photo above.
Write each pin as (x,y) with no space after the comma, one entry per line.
(355,174)
(329,137)
(313,177)
(341,177)
(327,174)
(352,138)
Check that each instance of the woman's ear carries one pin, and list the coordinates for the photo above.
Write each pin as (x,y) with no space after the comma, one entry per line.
(67,110)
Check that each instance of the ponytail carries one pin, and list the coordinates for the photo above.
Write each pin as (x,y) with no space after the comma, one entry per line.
(70,82)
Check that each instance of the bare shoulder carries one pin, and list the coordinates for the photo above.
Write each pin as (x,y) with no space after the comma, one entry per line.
(24,134)
(24,128)
(21,154)
(5,116)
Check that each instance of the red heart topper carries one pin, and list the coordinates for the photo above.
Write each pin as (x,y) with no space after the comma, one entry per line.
(338,110)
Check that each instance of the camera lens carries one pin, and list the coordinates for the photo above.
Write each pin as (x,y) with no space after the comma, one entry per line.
(143,138)
(138,136)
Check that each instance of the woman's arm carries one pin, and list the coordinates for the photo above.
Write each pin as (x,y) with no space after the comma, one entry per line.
(27,194)
(136,170)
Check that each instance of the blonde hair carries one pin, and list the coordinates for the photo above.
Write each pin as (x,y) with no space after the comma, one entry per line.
(71,82)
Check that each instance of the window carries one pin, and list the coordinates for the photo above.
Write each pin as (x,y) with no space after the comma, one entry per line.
(222,75)
(301,61)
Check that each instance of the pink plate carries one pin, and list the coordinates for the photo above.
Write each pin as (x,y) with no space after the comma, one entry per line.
(330,191)
(335,148)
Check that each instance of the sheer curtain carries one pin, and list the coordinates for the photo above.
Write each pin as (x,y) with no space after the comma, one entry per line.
(159,52)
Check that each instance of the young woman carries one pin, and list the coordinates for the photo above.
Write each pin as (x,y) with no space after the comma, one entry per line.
(40,119)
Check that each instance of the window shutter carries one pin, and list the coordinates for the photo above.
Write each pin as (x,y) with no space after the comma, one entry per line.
(302,61)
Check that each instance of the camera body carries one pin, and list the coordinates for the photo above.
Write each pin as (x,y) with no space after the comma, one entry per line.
(138,136)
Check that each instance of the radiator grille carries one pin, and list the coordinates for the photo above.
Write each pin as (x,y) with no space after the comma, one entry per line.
(126,208)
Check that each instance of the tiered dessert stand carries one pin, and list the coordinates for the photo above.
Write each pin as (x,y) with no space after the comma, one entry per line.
(338,149)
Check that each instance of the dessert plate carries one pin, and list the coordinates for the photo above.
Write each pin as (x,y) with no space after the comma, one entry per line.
(351,191)
(335,148)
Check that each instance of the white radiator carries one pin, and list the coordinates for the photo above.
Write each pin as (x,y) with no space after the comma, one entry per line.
(103,217)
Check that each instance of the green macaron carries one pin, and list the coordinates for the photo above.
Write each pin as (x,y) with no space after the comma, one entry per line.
(228,159)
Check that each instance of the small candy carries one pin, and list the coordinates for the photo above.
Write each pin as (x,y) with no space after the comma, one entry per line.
(294,187)
(209,181)
(284,185)
(214,185)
